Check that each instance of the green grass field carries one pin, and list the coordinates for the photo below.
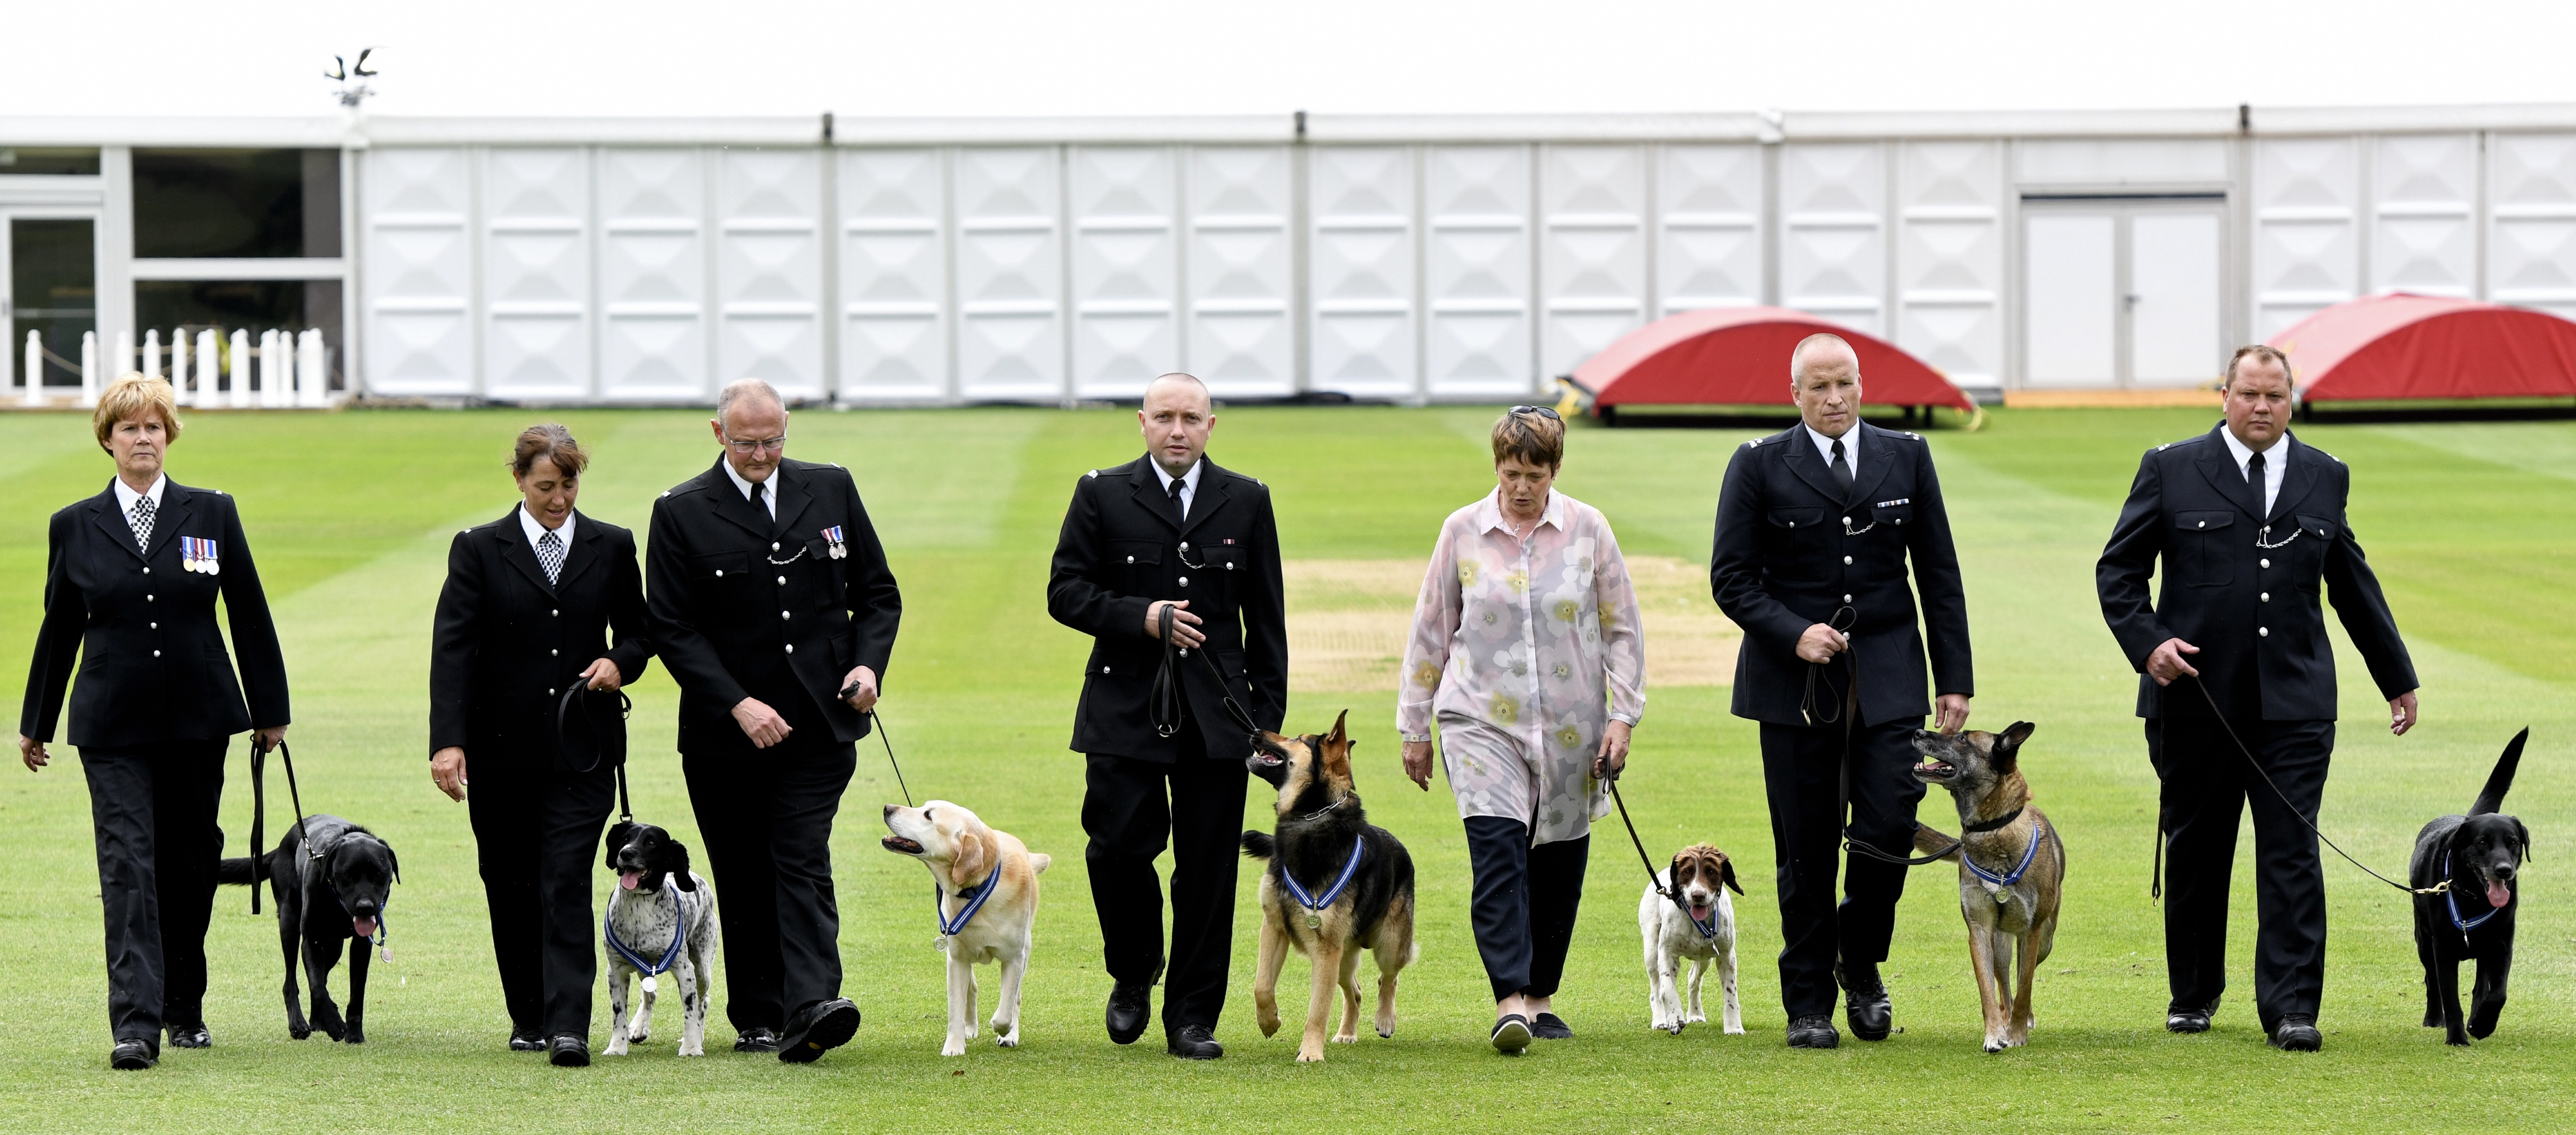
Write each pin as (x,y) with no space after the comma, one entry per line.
(2467,524)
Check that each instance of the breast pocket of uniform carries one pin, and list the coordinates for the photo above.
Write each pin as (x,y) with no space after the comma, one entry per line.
(1141,560)
(1893,515)
(1226,565)
(1799,533)
(2201,545)
(720,567)
(2308,555)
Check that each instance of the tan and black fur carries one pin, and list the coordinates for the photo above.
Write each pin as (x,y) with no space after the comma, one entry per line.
(1319,822)
(2007,926)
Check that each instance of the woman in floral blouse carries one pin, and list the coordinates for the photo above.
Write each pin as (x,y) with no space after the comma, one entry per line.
(1527,652)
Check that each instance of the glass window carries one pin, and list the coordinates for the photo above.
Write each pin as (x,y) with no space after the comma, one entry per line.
(53,292)
(227,203)
(27,161)
(186,307)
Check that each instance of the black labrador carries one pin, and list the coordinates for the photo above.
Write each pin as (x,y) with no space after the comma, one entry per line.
(2477,859)
(329,891)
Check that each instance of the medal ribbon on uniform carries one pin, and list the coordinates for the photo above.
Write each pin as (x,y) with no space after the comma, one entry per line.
(197,554)
(832,536)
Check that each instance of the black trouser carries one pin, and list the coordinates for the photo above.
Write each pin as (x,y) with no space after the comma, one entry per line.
(1129,817)
(153,808)
(766,815)
(1525,903)
(1802,773)
(535,832)
(2206,787)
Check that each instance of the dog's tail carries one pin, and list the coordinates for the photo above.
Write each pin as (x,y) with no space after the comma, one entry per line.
(242,872)
(1258,845)
(1927,841)
(2491,798)
(1039,861)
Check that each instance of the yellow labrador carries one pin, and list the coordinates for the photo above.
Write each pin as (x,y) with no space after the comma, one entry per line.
(988,907)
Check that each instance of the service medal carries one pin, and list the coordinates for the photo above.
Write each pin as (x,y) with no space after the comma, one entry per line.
(1314,921)
(832,536)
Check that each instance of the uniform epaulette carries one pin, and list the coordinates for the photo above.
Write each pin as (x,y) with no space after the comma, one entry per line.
(1093,473)
(837,465)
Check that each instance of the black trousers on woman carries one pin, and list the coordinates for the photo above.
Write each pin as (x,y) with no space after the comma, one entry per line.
(1525,902)
(153,809)
(536,839)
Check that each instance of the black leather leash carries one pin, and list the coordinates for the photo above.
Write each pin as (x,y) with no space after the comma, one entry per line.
(1847,712)
(884,739)
(1166,705)
(2156,882)
(259,811)
(625,706)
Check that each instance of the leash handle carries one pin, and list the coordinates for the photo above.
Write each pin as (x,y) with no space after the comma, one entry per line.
(286,756)
(1167,705)
(258,820)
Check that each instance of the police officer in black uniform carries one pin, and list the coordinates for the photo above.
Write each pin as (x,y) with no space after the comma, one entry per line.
(2249,523)
(1816,527)
(131,579)
(1169,530)
(772,606)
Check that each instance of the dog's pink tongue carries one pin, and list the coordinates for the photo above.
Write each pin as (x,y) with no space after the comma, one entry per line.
(2497,894)
(366,927)
(1700,912)
(628,879)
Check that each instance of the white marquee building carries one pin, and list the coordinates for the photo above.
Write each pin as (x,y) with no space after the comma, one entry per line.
(1398,258)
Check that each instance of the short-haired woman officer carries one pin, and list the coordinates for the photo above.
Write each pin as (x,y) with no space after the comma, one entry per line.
(131,579)
(525,616)
(1527,655)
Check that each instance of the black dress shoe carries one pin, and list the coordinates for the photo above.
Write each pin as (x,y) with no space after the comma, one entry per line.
(132,1056)
(1131,1008)
(2190,1019)
(1511,1034)
(1193,1042)
(1865,1004)
(191,1036)
(526,1041)
(2297,1033)
(568,1051)
(816,1029)
(1549,1026)
(1813,1031)
(755,1040)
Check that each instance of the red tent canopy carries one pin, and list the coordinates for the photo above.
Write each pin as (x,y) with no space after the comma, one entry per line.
(2405,346)
(1739,356)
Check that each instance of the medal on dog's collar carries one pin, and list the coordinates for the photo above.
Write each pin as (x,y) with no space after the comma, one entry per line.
(651,986)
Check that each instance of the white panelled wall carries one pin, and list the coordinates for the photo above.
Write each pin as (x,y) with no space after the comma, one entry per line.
(1406,265)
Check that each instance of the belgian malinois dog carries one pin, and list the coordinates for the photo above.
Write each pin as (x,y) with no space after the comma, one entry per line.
(2012,867)
(1337,884)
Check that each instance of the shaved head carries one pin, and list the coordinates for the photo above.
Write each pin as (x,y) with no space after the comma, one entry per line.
(1187,382)
(1823,348)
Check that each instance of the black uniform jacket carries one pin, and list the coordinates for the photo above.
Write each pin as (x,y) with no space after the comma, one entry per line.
(2251,610)
(1122,549)
(734,596)
(507,643)
(152,662)
(1793,548)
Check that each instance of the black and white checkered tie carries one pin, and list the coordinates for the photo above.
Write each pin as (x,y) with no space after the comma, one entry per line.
(550,554)
(141,518)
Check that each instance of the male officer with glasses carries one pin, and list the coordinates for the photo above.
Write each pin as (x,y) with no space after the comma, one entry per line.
(767,584)
(1169,531)
(1816,528)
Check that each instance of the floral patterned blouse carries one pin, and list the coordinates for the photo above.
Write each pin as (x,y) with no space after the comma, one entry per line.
(1537,638)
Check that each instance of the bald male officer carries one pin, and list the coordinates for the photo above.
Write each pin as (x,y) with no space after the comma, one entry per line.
(1816,526)
(1169,530)
(2249,524)
(770,601)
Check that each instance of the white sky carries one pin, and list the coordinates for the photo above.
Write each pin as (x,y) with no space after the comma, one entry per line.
(1022,57)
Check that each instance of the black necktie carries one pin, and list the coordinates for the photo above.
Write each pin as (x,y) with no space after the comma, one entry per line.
(1841,468)
(2254,478)
(1180,508)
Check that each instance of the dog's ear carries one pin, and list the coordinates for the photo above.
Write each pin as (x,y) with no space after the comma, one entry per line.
(2522,838)
(618,834)
(1673,873)
(677,856)
(392,860)
(974,853)
(1336,750)
(2007,754)
(1726,873)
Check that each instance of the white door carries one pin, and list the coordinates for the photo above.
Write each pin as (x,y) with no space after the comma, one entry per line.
(2122,293)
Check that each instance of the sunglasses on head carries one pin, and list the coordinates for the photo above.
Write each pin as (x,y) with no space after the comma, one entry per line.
(1542,411)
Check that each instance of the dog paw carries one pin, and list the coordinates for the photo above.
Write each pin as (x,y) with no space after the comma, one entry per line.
(1994,1044)
(615,1047)
(693,1050)
(353,1036)
(1346,1038)
(1269,1024)
(639,1034)
(2460,1039)
(1735,1030)
(955,1047)
(1311,1054)
(1386,1032)
(1696,1019)
(1009,1039)
(300,1034)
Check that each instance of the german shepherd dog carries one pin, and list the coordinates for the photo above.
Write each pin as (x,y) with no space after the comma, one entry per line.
(330,891)
(1336,885)
(2481,855)
(2012,868)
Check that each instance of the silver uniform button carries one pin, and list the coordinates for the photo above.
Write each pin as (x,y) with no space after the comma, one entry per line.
(550,691)
(156,626)
(1846,522)
(719,573)
(557,613)
(1846,597)
(791,648)
(1185,545)
(2266,632)
(554,653)
(1104,669)
(782,614)
(1131,559)
(147,598)
(1847,559)
(782,581)
(2264,562)
(156,654)
(147,571)
(773,545)
(1185,581)
(2203,524)
(2267,596)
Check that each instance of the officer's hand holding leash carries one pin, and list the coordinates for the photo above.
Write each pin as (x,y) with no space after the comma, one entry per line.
(1613,758)
(1185,626)
(760,723)
(1821,643)
(860,689)
(602,675)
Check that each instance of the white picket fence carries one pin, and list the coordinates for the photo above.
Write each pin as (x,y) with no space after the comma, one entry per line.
(286,371)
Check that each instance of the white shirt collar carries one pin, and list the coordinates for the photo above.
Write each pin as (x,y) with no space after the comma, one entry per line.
(1489,515)
(125,497)
(536,531)
(1189,480)
(1825,445)
(769,499)
(2273,458)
